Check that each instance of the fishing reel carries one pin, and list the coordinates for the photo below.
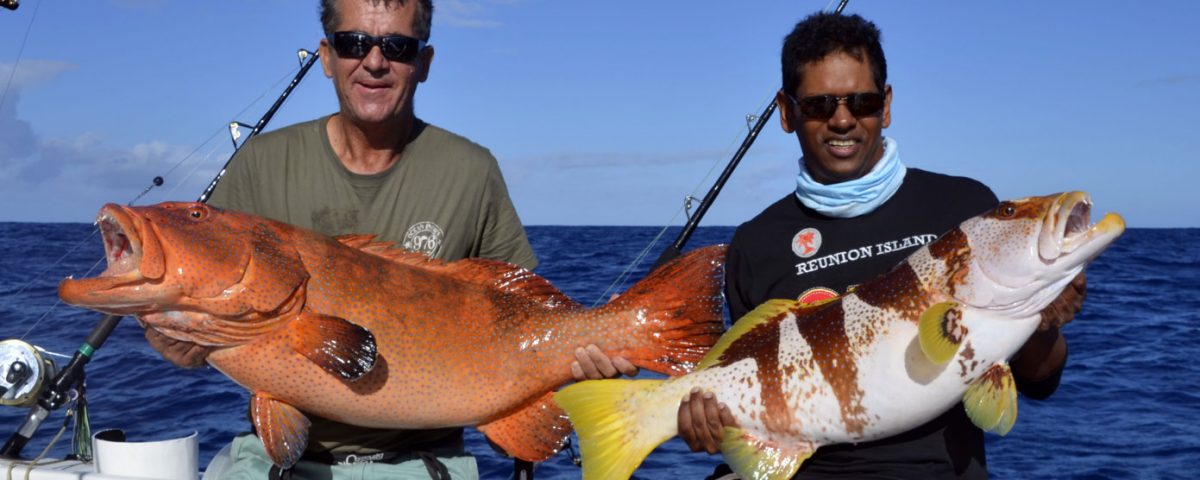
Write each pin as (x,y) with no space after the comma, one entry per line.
(25,370)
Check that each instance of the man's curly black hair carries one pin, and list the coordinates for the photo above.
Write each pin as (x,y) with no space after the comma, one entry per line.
(821,34)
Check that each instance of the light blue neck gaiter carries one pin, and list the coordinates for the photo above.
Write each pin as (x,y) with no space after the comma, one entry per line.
(854,197)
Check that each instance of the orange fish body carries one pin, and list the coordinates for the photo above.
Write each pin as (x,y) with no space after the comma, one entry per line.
(361,333)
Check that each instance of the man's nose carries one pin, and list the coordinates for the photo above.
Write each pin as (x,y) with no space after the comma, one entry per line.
(842,120)
(375,60)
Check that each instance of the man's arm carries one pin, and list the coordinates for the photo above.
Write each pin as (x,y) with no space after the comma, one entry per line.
(1038,365)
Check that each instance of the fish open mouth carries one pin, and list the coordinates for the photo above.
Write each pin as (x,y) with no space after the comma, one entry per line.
(1068,229)
(121,252)
(114,290)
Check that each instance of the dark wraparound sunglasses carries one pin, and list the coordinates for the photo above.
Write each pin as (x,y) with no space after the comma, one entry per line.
(397,48)
(822,107)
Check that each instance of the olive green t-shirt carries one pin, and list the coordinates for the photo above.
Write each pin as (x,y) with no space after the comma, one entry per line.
(445,198)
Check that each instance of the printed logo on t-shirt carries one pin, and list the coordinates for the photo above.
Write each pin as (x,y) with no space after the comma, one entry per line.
(424,237)
(806,243)
(817,294)
(860,253)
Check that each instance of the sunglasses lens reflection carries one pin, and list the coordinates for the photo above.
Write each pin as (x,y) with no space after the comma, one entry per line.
(397,48)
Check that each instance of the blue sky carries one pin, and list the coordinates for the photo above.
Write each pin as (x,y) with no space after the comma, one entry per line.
(610,113)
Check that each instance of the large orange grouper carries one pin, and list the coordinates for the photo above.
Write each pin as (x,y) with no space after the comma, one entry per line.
(892,354)
(363,333)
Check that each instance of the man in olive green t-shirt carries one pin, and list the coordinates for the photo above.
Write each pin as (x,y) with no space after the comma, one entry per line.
(372,167)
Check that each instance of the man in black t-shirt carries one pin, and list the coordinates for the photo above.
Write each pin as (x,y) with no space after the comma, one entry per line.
(858,211)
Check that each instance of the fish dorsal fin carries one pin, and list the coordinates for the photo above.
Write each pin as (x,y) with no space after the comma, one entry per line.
(532,433)
(282,429)
(510,278)
(991,401)
(502,276)
(750,457)
(760,315)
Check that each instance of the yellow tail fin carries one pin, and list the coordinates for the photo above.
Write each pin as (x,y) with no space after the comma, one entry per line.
(619,423)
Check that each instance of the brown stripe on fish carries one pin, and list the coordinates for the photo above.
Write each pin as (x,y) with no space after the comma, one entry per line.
(825,332)
(954,249)
(899,291)
(761,344)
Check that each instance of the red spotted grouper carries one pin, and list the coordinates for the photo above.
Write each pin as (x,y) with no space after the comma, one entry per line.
(889,356)
(362,333)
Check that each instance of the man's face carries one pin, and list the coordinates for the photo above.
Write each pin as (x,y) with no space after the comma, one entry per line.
(842,147)
(373,89)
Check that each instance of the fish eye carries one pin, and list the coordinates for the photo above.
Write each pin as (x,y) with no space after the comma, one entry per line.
(1007,210)
(197,213)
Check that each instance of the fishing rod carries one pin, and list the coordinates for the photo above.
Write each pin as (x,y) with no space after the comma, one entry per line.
(262,122)
(690,227)
(56,393)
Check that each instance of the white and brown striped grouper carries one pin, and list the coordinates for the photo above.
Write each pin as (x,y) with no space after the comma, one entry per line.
(890,355)
(366,334)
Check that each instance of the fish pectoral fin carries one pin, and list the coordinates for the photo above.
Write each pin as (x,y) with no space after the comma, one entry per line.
(533,433)
(336,345)
(991,401)
(750,457)
(941,331)
(281,427)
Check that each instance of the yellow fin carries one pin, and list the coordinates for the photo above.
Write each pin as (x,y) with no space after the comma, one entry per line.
(619,422)
(753,458)
(991,401)
(941,332)
(764,312)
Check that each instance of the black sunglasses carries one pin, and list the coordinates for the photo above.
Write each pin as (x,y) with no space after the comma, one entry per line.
(397,48)
(822,107)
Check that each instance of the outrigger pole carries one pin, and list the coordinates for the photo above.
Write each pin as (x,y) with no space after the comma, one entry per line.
(71,376)
(690,227)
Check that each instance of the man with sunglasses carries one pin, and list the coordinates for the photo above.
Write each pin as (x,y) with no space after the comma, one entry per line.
(372,167)
(857,211)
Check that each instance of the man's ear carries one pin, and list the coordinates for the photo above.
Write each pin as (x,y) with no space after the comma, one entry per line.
(887,106)
(326,54)
(784,105)
(425,60)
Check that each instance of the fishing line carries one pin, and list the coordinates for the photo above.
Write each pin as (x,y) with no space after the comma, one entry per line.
(37,461)
(236,115)
(58,301)
(20,52)
(620,281)
(195,168)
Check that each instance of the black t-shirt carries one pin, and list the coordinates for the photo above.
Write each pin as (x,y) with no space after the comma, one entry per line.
(791,251)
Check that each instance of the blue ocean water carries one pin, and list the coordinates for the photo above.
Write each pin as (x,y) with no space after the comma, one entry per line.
(1128,406)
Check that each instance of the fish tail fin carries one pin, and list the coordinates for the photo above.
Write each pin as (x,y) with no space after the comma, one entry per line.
(682,306)
(619,422)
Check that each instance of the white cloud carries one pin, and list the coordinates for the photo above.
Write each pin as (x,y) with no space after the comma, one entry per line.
(1183,80)
(464,14)
(32,72)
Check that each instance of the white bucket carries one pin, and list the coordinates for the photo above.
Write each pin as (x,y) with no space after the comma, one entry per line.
(172,459)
